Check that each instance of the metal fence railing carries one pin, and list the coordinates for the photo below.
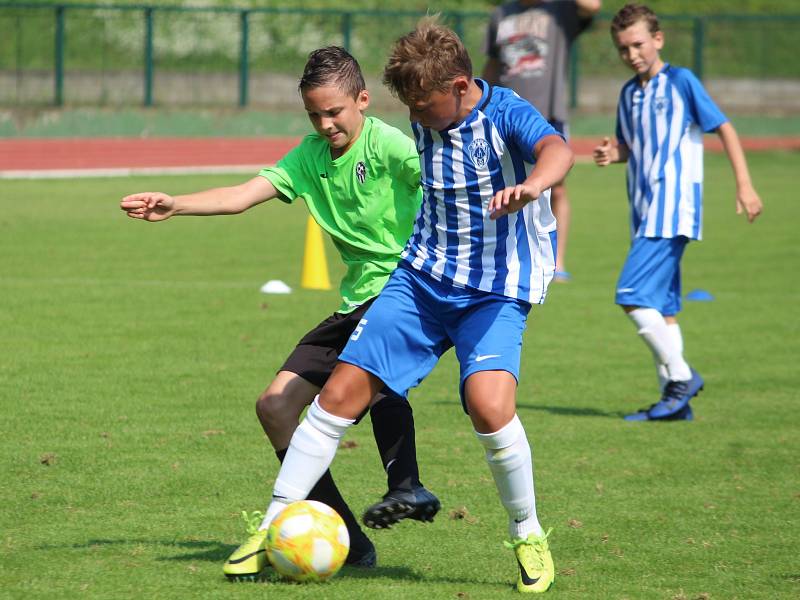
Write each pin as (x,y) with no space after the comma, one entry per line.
(114,55)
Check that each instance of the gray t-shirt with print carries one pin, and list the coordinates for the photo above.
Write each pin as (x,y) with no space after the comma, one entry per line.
(532,44)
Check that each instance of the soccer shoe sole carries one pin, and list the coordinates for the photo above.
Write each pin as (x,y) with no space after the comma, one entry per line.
(392,510)
(684,415)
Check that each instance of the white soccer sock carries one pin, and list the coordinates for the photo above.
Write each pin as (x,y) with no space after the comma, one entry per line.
(677,337)
(661,373)
(309,455)
(509,456)
(674,331)
(655,332)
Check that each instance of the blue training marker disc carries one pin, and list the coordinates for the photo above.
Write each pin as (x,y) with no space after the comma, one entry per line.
(699,296)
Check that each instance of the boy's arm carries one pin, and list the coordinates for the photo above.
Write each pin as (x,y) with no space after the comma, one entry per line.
(554,159)
(606,153)
(156,206)
(747,199)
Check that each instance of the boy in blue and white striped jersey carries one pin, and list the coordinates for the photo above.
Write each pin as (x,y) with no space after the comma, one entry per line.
(482,252)
(661,117)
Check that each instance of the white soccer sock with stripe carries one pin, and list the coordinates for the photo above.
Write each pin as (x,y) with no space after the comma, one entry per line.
(509,456)
(655,332)
(309,455)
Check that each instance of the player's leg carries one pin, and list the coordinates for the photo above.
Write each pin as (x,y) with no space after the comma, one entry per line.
(401,341)
(279,409)
(649,287)
(488,341)
(407,498)
(380,353)
(344,397)
(490,401)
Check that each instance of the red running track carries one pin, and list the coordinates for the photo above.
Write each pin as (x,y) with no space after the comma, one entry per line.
(57,154)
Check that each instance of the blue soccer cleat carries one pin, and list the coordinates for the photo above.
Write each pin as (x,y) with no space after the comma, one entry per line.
(676,397)
(674,402)
(642,415)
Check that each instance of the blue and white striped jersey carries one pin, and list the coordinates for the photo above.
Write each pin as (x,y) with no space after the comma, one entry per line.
(662,124)
(454,240)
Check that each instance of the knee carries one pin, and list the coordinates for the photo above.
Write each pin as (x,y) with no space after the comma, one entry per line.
(275,408)
(332,398)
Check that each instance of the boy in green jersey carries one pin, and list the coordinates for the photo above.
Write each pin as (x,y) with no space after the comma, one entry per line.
(359,179)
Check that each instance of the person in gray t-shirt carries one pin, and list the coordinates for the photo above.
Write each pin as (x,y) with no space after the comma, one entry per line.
(528,44)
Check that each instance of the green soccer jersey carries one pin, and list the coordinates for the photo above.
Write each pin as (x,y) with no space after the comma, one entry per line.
(366,200)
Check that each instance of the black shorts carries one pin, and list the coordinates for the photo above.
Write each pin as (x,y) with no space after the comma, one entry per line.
(317,353)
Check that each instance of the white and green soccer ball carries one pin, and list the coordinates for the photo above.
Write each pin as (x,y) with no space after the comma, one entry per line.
(307,541)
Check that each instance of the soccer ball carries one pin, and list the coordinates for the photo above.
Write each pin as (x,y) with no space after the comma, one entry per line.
(307,541)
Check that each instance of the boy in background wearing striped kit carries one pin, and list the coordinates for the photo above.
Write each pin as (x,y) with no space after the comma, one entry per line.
(662,114)
(481,253)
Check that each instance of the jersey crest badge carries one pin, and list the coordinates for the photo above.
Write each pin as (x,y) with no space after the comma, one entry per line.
(361,171)
(478,151)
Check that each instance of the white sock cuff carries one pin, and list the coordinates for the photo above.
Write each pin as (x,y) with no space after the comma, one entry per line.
(503,437)
(645,318)
(325,422)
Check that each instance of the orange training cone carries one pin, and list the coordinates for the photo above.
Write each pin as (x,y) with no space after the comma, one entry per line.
(315,265)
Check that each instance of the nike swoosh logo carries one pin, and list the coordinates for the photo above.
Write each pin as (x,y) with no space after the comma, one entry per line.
(625,290)
(526,579)
(245,557)
(390,463)
(483,357)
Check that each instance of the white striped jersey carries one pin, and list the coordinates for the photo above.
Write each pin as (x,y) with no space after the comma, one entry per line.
(662,124)
(454,240)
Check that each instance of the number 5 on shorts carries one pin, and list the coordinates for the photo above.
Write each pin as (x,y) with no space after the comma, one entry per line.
(357,331)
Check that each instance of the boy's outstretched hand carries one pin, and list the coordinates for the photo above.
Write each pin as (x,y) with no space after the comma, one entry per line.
(511,199)
(748,202)
(150,206)
(603,154)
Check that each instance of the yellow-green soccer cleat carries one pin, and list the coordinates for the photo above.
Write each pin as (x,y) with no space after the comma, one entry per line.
(536,571)
(249,559)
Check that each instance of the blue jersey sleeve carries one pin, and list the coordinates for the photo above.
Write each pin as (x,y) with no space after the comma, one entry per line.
(702,109)
(522,126)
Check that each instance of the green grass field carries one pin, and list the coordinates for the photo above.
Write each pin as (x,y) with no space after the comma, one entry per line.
(131,355)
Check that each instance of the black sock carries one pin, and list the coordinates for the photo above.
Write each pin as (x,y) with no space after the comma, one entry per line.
(325,491)
(393,427)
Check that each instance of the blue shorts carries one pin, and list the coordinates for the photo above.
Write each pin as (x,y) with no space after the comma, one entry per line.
(651,275)
(416,319)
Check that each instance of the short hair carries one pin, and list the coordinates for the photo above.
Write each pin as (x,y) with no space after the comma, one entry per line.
(630,14)
(332,65)
(425,60)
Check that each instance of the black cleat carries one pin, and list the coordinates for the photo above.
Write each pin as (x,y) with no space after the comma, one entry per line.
(362,553)
(418,504)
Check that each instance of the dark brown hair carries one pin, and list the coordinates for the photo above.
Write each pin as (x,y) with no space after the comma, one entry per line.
(425,60)
(630,14)
(332,65)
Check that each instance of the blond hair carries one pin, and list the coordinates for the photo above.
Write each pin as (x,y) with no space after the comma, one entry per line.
(425,60)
